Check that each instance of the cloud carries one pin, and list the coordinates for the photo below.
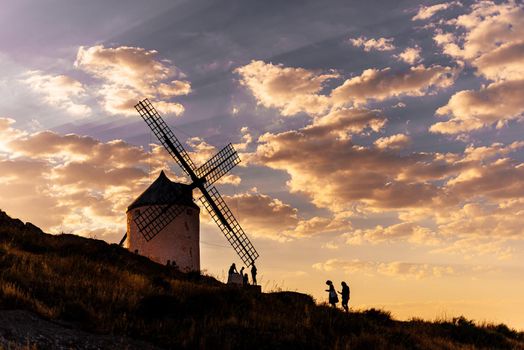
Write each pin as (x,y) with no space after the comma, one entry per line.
(492,43)
(404,231)
(421,188)
(380,44)
(85,185)
(291,90)
(129,74)
(298,90)
(426,12)
(471,110)
(503,63)
(345,122)
(266,217)
(395,269)
(498,179)
(379,85)
(59,91)
(336,174)
(486,27)
(482,153)
(397,141)
(410,55)
(263,216)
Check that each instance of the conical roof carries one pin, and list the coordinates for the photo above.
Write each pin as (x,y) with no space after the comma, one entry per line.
(155,194)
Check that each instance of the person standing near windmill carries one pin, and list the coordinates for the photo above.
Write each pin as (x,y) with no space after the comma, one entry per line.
(254,274)
(233,269)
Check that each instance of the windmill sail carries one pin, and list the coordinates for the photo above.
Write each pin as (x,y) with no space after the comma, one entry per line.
(166,137)
(219,165)
(153,220)
(223,217)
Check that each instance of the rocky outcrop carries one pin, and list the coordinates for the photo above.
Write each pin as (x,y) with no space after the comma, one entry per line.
(7,222)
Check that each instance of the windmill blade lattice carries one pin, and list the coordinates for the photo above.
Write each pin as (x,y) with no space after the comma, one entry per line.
(153,219)
(218,165)
(229,226)
(165,135)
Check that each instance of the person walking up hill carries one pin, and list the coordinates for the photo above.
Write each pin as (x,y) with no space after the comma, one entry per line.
(345,296)
(333,298)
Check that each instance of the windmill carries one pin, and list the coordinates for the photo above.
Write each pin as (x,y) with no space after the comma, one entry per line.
(152,220)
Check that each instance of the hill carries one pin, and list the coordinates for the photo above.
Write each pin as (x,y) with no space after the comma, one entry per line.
(65,291)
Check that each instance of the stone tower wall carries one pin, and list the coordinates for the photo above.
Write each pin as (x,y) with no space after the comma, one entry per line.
(179,241)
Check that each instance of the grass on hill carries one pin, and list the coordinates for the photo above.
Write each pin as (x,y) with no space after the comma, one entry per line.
(103,288)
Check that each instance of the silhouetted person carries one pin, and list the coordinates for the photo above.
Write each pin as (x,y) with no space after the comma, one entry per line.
(333,298)
(254,274)
(242,271)
(233,269)
(245,280)
(345,296)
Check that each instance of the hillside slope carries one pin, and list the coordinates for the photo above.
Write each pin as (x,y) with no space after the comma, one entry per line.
(102,296)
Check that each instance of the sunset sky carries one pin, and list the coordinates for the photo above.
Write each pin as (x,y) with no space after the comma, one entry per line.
(381,141)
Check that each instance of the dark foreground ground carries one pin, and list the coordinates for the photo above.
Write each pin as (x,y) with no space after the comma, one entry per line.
(68,292)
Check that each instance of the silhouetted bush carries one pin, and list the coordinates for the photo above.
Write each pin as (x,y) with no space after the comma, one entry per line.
(379,316)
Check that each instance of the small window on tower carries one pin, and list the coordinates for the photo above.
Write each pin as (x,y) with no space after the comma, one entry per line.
(187,226)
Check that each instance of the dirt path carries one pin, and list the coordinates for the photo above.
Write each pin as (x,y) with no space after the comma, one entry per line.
(23,330)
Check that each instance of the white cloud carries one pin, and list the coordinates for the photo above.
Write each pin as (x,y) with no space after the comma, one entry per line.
(380,44)
(471,110)
(492,43)
(296,90)
(410,55)
(291,90)
(129,74)
(379,85)
(59,91)
(426,12)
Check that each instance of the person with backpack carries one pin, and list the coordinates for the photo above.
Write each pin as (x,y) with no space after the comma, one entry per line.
(345,296)
(333,298)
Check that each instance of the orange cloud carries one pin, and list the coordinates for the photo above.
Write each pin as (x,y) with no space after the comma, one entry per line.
(396,269)
(73,183)
(266,217)
(397,141)
(404,231)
